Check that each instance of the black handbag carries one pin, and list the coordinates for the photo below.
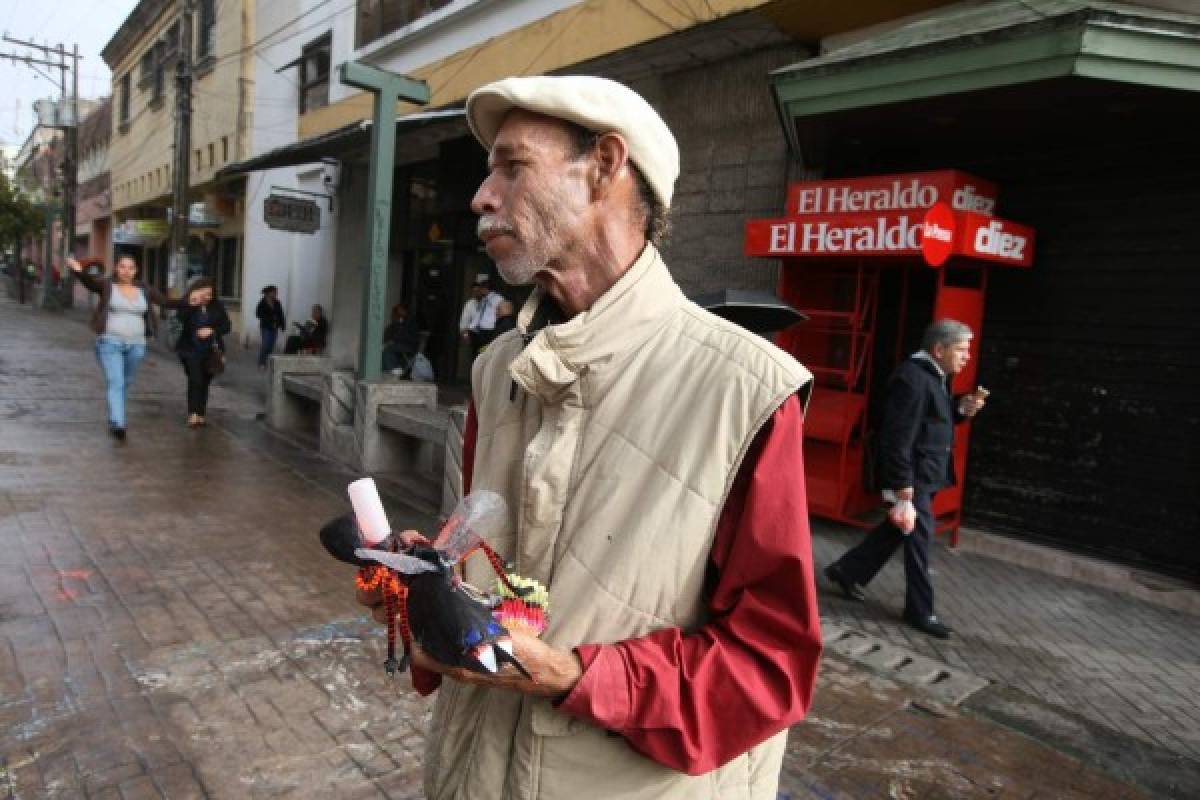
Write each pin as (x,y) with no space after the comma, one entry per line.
(214,362)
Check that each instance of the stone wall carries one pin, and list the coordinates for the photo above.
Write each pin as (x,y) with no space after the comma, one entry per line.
(734,166)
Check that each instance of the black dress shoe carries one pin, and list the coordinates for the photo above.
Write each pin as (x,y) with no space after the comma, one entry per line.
(849,588)
(930,625)
(117,433)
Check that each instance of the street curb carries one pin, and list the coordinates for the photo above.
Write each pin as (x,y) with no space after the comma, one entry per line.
(1160,590)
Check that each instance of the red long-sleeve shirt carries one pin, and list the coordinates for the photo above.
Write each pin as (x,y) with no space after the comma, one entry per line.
(694,701)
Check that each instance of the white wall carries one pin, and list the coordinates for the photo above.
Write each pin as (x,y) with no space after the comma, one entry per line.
(300,264)
(450,30)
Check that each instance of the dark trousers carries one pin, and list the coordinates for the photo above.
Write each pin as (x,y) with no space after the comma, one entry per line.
(198,379)
(863,562)
(268,344)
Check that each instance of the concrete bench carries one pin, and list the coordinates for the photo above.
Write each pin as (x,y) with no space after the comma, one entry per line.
(297,391)
(452,467)
(399,435)
(427,424)
(306,386)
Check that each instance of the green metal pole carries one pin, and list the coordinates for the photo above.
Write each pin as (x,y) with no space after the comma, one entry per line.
(388,88)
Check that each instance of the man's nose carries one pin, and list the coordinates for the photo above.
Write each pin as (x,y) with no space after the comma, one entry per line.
(485,200)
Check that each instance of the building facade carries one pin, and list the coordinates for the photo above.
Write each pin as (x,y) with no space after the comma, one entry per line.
(93,211)
(290,212)
(702,64)
(1080,114)
(1082,143)
(38,175)
(142,55)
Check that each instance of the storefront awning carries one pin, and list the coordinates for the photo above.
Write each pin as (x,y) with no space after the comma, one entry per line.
(337,143)
(976,46)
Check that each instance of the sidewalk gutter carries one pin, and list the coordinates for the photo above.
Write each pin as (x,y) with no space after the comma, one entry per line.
(1150,587)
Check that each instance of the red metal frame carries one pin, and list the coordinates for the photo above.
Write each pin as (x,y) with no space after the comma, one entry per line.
(839,235)
(837,344)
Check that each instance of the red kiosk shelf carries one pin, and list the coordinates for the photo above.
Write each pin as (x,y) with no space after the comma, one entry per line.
(835,239)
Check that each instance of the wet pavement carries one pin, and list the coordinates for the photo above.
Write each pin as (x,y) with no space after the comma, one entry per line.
(170,627)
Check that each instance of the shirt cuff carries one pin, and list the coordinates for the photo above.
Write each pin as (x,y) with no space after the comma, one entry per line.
(602,695)
(425,682)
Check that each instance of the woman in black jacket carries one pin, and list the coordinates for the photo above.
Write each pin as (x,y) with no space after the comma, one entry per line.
(204,322)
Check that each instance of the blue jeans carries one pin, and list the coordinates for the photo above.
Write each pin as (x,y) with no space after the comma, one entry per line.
(268,344)
(119,361)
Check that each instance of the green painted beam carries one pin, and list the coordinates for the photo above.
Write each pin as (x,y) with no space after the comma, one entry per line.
(388,88)
(1095,49)
(1048,55)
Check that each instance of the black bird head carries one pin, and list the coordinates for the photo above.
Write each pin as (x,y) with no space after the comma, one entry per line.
(342,537)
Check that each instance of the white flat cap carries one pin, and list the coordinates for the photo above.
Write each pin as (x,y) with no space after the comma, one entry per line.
(597,104)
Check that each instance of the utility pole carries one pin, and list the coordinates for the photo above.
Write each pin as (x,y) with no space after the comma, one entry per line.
(69,167)
(183,150)
(70,170)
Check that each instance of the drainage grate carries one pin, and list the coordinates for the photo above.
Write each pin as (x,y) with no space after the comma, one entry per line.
(945,683)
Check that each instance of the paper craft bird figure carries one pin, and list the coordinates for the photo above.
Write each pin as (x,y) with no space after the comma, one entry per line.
(451,620)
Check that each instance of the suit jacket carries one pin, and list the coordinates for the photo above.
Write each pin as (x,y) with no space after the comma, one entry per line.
(916,441)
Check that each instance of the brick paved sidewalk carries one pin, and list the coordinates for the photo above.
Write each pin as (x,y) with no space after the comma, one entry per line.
(1124,663)
(170,626)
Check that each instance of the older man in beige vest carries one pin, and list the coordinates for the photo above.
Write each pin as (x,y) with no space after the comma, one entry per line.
(650,454)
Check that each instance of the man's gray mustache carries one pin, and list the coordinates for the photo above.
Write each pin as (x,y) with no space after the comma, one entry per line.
(488,225)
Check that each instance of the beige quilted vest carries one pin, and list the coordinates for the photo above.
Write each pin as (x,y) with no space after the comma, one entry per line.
(616,452)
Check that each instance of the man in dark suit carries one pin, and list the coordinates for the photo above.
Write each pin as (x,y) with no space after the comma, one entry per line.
(916,459)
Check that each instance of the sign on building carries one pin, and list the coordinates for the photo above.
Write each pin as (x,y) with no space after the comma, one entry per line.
(144,232)
(291,214)
(932,214)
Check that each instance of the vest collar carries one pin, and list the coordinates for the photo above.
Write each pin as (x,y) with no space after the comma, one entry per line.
(620,320)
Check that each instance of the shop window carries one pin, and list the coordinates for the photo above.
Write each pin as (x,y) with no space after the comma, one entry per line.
(314,74)
(159,78)
(123,117)
(378,18)
(170,43)
(206,29)
(146,69)
(217,258)
(229,281)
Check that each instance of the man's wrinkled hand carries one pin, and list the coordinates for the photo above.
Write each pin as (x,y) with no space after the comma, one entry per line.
(555,671)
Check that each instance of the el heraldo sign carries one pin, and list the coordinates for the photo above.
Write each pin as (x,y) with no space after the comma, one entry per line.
(935,215)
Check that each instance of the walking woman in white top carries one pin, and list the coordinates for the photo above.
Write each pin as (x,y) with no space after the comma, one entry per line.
(122,321)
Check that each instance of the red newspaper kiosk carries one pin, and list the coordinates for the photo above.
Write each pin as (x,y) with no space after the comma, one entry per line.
(871,261)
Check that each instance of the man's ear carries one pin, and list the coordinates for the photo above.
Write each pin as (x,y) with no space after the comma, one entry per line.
(611,156)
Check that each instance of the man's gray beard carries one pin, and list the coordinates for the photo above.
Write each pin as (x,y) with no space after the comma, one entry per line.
(519,270)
